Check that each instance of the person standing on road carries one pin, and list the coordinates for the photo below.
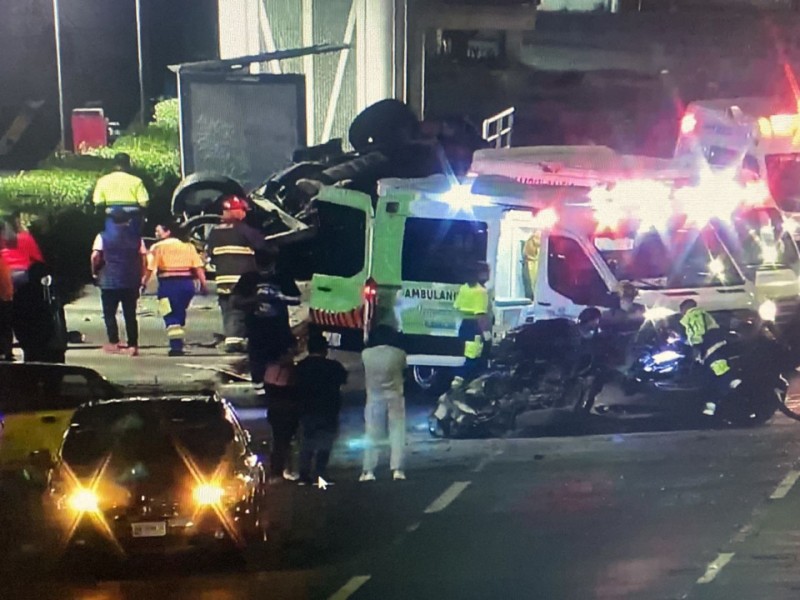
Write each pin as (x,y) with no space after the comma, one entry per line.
(123,190)
(231,247)
(384,364)
(319,382)
(6,313)
(283,413)
(472,301)
(178,266)
(264,296)
(119,264)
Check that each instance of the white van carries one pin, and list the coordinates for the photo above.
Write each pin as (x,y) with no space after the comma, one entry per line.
(759,136)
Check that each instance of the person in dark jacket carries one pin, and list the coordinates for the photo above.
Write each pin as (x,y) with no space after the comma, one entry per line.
(119,262)
(231,248)
(319,381)
(264,296)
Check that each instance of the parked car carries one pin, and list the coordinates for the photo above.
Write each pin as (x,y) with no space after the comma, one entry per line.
(37,401)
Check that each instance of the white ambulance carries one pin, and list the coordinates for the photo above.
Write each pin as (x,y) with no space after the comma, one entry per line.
(553,251)
(744,215)
(757,136)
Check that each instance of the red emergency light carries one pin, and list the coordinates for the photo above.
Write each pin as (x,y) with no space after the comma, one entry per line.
(370,290)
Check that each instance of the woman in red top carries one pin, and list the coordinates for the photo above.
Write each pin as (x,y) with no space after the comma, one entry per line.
(18,249)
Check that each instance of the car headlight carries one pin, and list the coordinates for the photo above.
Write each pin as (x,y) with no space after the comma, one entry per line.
(83,501)
(208,494)
(658,313)
(768,310)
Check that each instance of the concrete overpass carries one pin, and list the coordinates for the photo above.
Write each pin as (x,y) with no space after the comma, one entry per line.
(389,40)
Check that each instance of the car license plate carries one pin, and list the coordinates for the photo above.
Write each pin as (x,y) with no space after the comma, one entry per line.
(334,339)
(153,529)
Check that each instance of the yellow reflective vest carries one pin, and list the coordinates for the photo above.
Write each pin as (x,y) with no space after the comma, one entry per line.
(120,189)
(472,300)
(697,323)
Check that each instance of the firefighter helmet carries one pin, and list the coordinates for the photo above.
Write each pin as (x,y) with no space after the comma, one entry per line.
(233,202)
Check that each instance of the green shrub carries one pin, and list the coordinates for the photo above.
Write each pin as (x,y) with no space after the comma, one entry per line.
(39,191)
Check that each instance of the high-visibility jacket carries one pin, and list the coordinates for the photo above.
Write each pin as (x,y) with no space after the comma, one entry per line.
(120,189)
(231,247)
(173,258)
(697,324)
(472,300)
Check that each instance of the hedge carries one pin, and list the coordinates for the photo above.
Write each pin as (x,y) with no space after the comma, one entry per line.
(66,179)
(55,197)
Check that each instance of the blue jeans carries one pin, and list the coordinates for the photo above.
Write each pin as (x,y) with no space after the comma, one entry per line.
(178,291)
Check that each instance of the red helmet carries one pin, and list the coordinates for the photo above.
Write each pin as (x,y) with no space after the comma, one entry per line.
(233,202)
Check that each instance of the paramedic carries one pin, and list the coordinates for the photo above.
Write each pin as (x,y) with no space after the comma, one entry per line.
(472,301)
(711,348)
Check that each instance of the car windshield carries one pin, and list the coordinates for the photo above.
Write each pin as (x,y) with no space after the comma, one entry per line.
(758,239)
(687,258)
(143,430)
(783,177)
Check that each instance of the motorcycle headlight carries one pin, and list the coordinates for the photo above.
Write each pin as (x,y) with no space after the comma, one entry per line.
(768,310)
(208,494)
(658,313)
(83,501)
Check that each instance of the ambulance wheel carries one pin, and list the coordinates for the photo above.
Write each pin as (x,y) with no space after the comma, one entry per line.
(431,381)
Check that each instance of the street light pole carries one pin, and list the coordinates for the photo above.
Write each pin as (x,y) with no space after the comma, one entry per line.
(57,31)
(140,52)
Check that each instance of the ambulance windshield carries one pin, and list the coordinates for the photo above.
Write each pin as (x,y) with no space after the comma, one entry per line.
(757,238)
(783,176)
(686,258)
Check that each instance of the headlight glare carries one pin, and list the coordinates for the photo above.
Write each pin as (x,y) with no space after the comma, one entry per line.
(83,501)
(768,310)
(207,494)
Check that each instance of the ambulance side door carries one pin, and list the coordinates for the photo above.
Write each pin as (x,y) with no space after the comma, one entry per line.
(343,255)
(568,280)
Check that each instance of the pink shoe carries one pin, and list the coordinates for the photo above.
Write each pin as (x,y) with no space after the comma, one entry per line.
(132,351)
(111,348)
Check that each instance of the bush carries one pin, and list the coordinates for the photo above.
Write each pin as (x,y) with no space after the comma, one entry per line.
(58,193)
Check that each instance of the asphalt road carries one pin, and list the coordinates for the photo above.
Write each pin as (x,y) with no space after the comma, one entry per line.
(629,516)
(639,509)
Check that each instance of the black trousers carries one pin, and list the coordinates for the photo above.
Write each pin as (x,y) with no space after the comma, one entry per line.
(111,299)
(6,330)
(283,422)
(318,438)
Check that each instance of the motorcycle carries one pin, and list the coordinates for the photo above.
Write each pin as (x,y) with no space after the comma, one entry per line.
(586,378)
(665,379)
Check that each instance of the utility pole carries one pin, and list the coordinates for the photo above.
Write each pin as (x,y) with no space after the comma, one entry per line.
(57,32)
(140,60)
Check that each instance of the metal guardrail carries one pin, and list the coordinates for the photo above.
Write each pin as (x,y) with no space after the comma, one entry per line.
(497,129)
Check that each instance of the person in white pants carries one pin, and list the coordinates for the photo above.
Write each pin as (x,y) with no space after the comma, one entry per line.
(384,364)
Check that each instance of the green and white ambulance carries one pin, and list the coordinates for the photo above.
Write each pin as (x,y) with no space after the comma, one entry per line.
(550,251)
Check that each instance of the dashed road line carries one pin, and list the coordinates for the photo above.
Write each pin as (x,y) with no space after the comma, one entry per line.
(715,566)
(447,497)
(351,587)
(413,527)
(785,486)
(482,464)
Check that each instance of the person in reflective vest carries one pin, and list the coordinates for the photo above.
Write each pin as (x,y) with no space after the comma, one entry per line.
(122,190)
(178,265)
(709,342)
(231,248)
(472,301)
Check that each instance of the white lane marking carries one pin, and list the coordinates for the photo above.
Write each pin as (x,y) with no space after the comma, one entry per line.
(785,486)
(413,527)
(482,464)
(715,566)
(351,587)
(447,497)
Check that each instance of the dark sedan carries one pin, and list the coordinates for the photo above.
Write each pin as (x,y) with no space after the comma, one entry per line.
(157,474)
